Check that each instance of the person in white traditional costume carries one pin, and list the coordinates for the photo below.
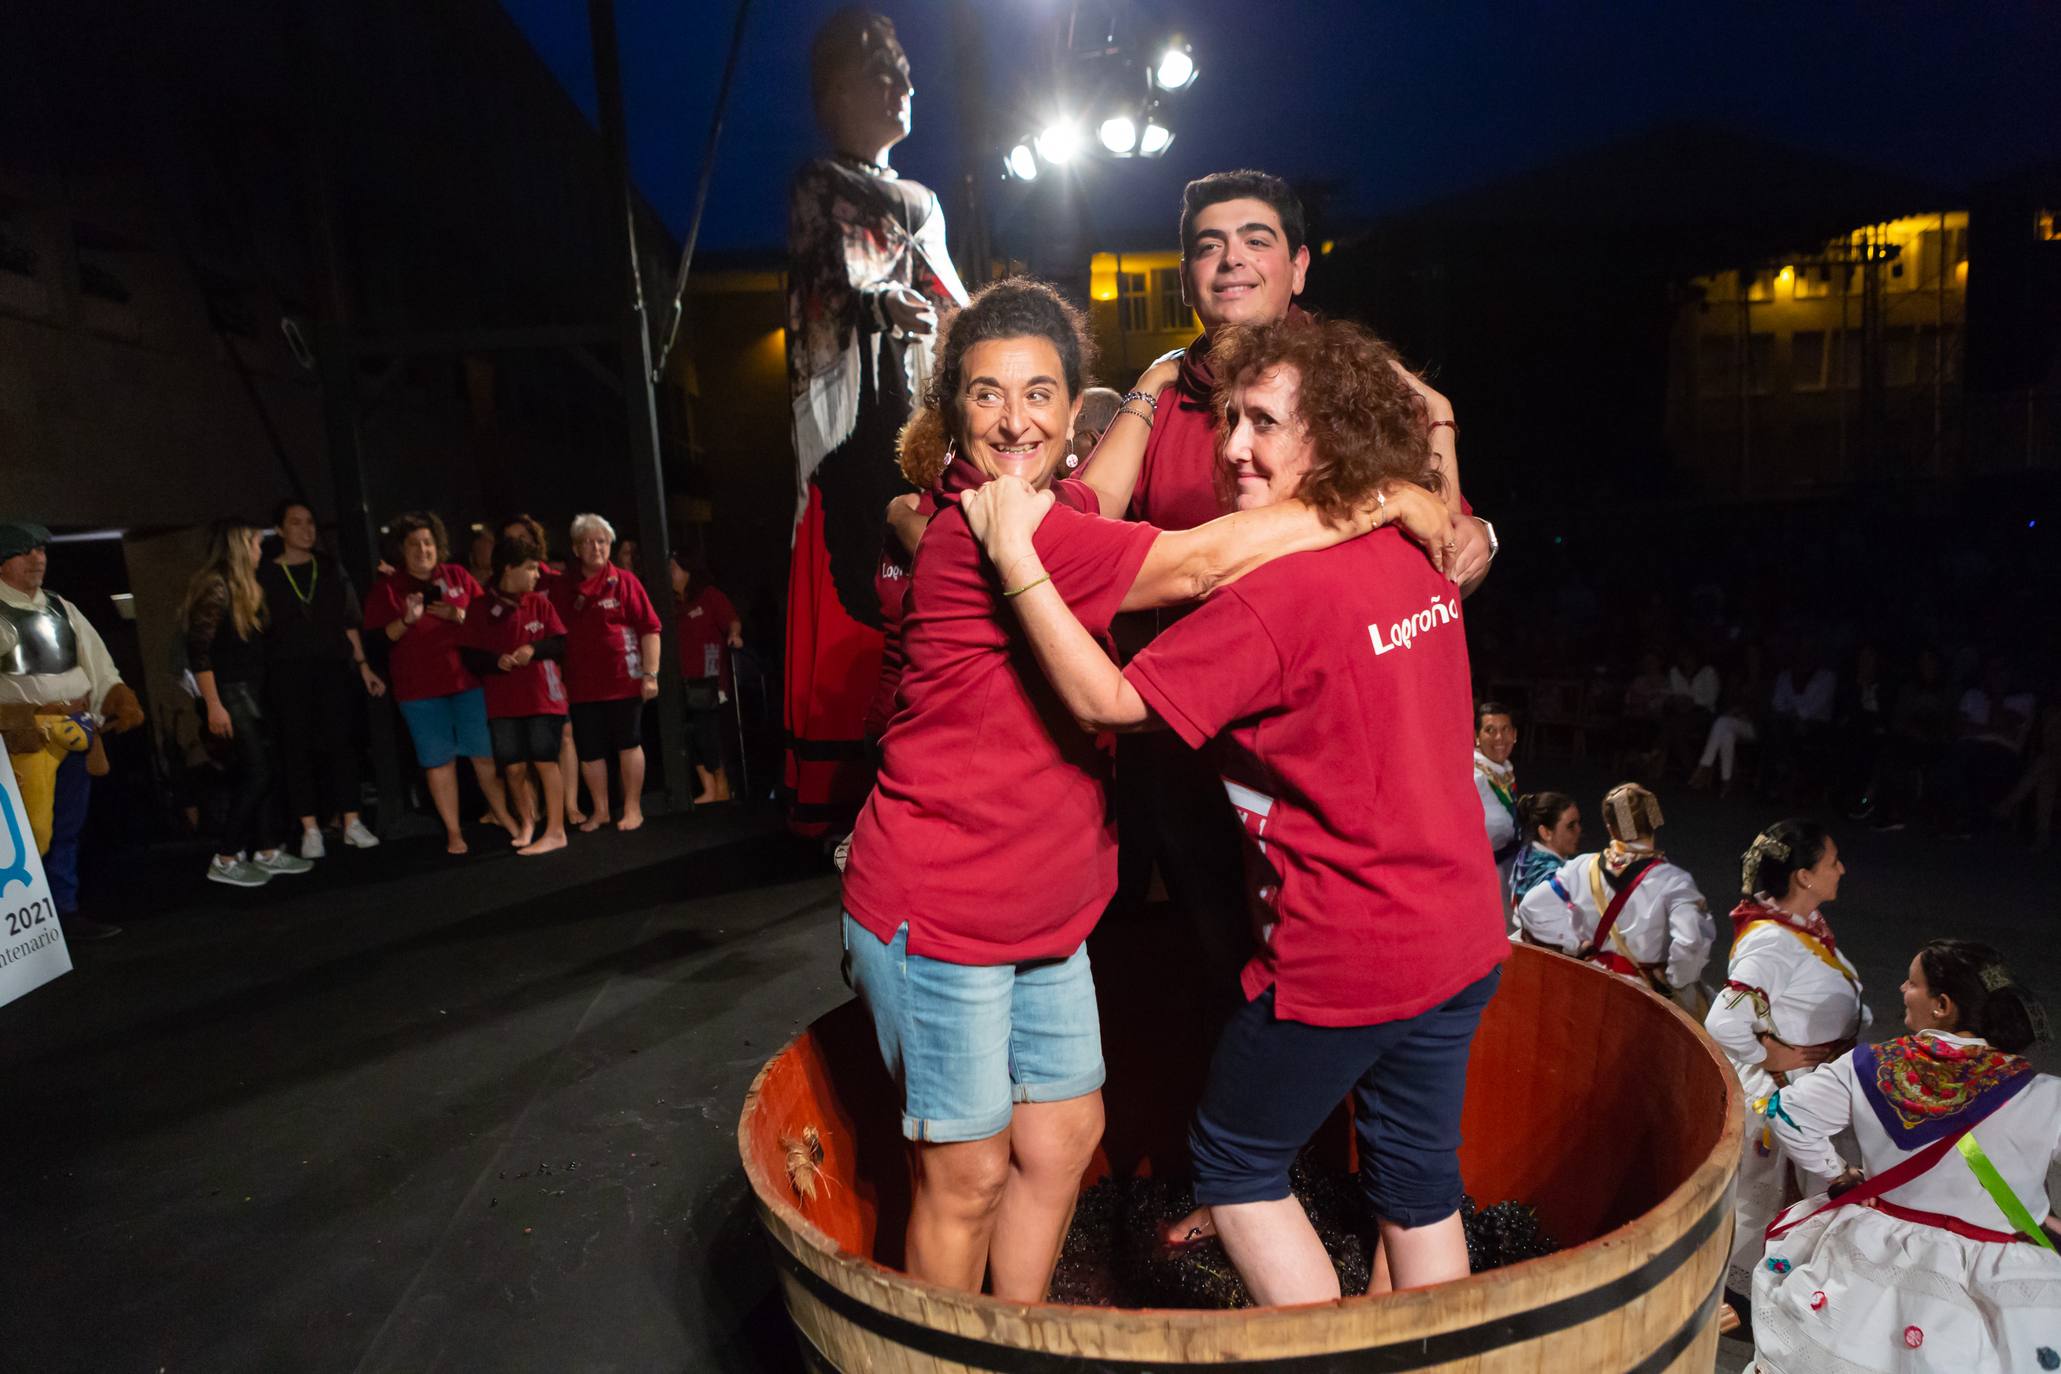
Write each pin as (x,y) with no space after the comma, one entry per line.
(1791,1002)
(1495,778)
(1932,1253)
(1627,908)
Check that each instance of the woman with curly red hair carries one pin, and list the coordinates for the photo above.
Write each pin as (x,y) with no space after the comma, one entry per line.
(1336,682)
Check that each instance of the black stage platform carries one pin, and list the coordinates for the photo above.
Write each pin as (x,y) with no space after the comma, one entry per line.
(416,1114)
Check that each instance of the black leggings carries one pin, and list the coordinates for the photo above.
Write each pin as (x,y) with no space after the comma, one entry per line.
(314,711)
(249,825)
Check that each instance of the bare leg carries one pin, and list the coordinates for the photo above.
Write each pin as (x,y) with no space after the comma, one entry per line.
(1419,1256)
(1277,1252)
(631,761)
(1379,1281)
(552,790)
(497,799)
(952,1215)
(443,794)
(707,793)
(1050,1144)
(522,801)
(596,775)
(569,771)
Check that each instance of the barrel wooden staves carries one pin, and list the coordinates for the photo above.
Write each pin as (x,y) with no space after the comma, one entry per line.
(1600,1104)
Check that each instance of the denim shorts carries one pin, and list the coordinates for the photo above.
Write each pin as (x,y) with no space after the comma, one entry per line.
(966,1042)
(445,727)
(1272,1083)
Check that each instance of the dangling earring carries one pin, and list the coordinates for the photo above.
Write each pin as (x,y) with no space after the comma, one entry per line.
(951,452)
(1073,460)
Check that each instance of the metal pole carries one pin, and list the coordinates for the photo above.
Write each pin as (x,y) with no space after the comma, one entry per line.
(654,547)
(357,540)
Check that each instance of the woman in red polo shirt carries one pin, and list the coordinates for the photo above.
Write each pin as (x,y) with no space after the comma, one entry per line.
(421,608)
(515,643)
(611,667)
(708,629)
(523,523)
(1337,682)
(985,853)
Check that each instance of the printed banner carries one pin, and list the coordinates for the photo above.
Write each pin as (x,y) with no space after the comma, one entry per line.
(32,949)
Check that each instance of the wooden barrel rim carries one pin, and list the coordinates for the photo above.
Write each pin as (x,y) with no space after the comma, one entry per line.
(1519,1324)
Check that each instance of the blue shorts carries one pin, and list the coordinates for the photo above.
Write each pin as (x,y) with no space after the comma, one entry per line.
(1273,1082)
(967,1041)
(445,727)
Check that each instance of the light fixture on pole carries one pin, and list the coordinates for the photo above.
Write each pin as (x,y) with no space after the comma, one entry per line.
(1021,163)
(1119,135)
(1060,141)
(1175,70)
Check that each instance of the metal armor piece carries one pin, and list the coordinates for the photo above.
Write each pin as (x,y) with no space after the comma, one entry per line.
(43,641)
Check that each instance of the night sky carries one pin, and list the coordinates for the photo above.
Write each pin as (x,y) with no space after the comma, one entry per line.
(1401,102)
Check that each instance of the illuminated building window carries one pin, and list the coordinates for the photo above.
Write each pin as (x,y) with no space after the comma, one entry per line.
(1813,282)
(1134,305)
(1810,359)
(1166,290)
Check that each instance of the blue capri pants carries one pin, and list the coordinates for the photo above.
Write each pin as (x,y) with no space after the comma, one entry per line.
(1272,1083)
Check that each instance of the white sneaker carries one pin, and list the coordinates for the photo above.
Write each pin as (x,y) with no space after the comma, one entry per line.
(358,837)
(237,873)
(277,861)
(312,846)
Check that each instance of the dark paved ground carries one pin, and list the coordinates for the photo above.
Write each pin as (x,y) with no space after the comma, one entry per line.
(410,1115)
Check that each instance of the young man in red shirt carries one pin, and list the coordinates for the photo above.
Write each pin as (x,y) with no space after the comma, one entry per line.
(1244,259)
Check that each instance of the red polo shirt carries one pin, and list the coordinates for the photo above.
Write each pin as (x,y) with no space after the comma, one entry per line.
(988,830)
(424,661)
(606,617)
(1337,684)
(500,626)
(702,628)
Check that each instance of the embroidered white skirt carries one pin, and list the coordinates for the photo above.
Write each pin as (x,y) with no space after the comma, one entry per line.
(1857,1290)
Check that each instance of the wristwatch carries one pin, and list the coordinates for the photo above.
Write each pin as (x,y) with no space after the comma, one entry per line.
(1495,544)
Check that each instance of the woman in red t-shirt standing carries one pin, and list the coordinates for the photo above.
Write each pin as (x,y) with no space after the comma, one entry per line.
(611,667)
(708,630)
(421,607)
(523,523)
(515,644)
(985,853)
(1337,683)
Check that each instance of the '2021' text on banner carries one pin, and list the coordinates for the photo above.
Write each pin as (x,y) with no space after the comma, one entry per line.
(32,949)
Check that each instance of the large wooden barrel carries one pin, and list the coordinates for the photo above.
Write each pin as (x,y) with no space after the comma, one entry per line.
(1599,1103)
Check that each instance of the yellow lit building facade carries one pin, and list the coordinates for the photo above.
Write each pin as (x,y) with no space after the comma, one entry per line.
(1136,312)
(1824,368)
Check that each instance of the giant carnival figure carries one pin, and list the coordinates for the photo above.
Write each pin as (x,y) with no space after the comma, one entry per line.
(869,276)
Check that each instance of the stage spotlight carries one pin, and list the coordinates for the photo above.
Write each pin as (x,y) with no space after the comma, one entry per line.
(1120,135)
(1157,139)
(1060,141)
(1176,69)
(1021,163)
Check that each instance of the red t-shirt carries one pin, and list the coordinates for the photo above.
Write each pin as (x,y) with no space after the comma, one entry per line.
(704,635)
(1337,685)
(606,617)
(424,661)
(891,585)
(989,830)
(500,626)
(1177,482)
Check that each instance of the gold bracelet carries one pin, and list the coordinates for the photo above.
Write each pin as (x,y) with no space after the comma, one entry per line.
(1027,586)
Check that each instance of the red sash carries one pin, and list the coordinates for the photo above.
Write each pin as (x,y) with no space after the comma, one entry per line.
(1901,1173)
(1616,908)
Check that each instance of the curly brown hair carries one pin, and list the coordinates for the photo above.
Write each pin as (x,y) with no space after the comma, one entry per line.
(1365,422)
(1014,308)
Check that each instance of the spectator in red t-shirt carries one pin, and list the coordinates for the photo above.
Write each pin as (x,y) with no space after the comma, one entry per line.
(421,606)
(524,523)
(515,642)
(708,630)
(984,854)
(1336,683)
(611,667)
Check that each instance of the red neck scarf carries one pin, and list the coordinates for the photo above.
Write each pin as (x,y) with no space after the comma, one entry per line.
(1753,909)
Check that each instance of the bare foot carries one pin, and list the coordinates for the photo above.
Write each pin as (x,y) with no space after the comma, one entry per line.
(455,844)
(1196,1226)
(575,817)
(632,820)
(705,798)
(523,835)
(592,824)
(544,845)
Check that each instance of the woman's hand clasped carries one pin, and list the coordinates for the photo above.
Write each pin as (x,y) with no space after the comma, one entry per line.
(1004,514)
(1425,519)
